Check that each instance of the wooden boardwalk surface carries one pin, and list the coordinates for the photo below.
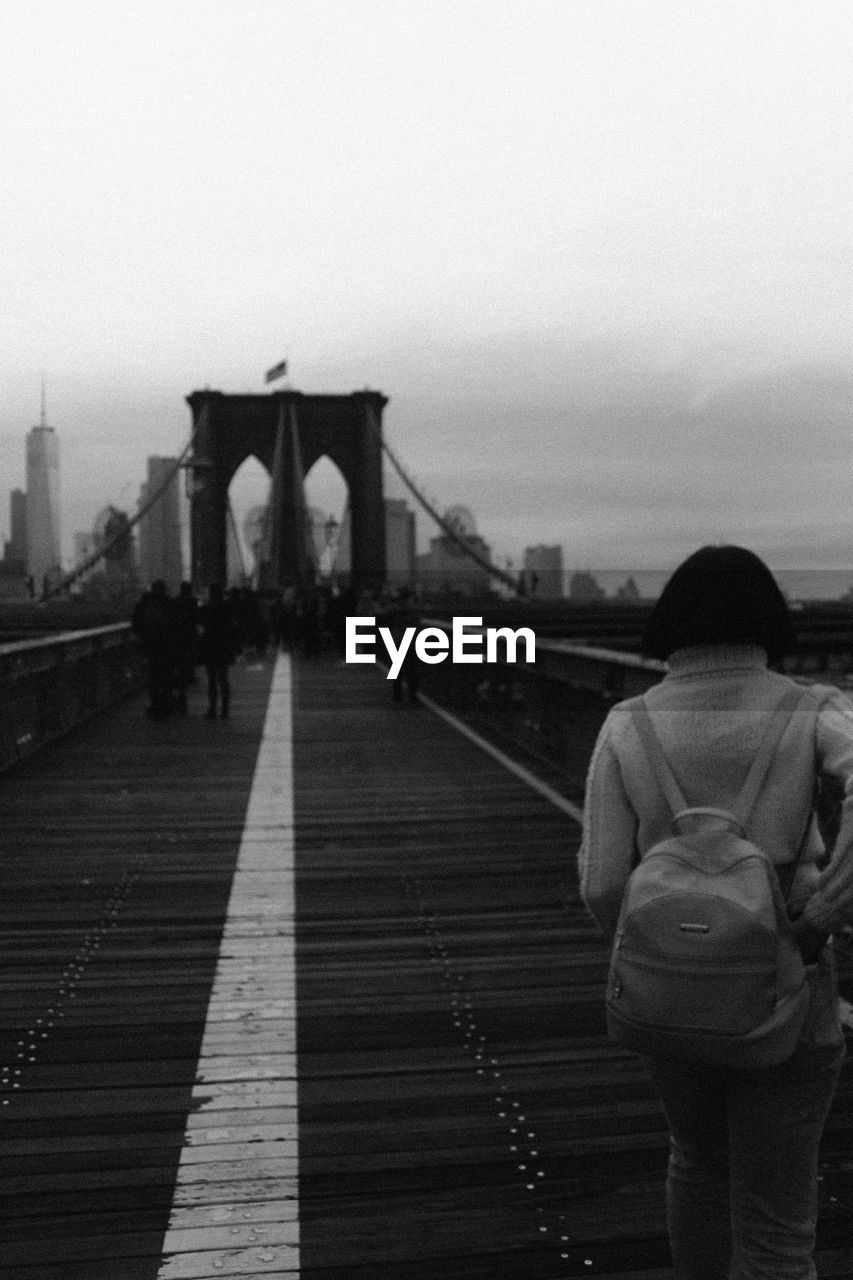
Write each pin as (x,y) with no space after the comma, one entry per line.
(118,850)
(460,1112)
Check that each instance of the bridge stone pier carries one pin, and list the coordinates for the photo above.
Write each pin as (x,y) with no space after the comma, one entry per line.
(287,432)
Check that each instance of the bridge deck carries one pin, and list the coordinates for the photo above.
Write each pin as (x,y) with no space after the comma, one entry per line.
(460,1112)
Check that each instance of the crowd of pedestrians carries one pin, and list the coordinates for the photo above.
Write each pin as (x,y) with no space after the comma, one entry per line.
(179,634)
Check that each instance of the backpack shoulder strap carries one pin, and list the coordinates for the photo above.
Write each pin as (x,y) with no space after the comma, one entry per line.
(760,767)
(661,767)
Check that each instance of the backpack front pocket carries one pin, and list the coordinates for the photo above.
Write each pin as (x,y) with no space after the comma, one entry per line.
(694,997)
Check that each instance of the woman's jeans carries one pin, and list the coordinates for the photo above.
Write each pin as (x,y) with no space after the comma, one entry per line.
(742,1181)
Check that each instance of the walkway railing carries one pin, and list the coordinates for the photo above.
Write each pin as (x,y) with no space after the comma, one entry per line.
(49,686)
(550,710)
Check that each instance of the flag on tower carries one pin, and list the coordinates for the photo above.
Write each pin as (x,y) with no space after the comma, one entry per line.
(277,371)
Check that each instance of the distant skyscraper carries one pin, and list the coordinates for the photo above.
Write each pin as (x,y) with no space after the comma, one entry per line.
(543,572)
(44,560)
(160,528)
(85,547)
(447,567)
(400,553)
(16,548)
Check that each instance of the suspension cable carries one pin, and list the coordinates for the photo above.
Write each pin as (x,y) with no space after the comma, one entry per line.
(125,530)
(236,539)
(443,524)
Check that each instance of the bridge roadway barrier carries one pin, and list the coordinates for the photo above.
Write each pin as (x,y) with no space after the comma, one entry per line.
(50,685)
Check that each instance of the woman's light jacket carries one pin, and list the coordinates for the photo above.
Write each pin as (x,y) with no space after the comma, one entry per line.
(710,712)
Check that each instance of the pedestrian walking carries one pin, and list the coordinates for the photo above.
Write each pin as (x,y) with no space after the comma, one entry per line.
(310,613)
(185,619)
(742,1179)
(153,622)
(219,644)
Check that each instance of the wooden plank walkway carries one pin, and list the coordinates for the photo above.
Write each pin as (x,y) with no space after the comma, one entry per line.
(460,1113)
(118,848)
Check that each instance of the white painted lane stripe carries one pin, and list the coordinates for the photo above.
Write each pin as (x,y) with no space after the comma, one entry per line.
(560,802)
(235,1209)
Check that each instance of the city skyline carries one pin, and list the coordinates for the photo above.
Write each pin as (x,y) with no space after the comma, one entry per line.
(598,256)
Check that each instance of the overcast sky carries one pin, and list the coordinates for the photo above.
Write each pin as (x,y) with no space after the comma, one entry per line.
(597,253)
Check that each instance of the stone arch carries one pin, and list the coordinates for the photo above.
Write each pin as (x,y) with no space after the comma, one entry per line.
(327,496)
(248,488)
(288,432)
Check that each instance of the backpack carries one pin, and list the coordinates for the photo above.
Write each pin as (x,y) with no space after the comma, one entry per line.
(704,964)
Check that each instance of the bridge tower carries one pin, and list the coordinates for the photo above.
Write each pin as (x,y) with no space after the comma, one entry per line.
(287,432)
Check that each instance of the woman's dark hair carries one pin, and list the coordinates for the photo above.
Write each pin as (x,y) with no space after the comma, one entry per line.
(720,595)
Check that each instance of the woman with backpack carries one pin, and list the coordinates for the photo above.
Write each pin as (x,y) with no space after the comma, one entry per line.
(745,1125)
